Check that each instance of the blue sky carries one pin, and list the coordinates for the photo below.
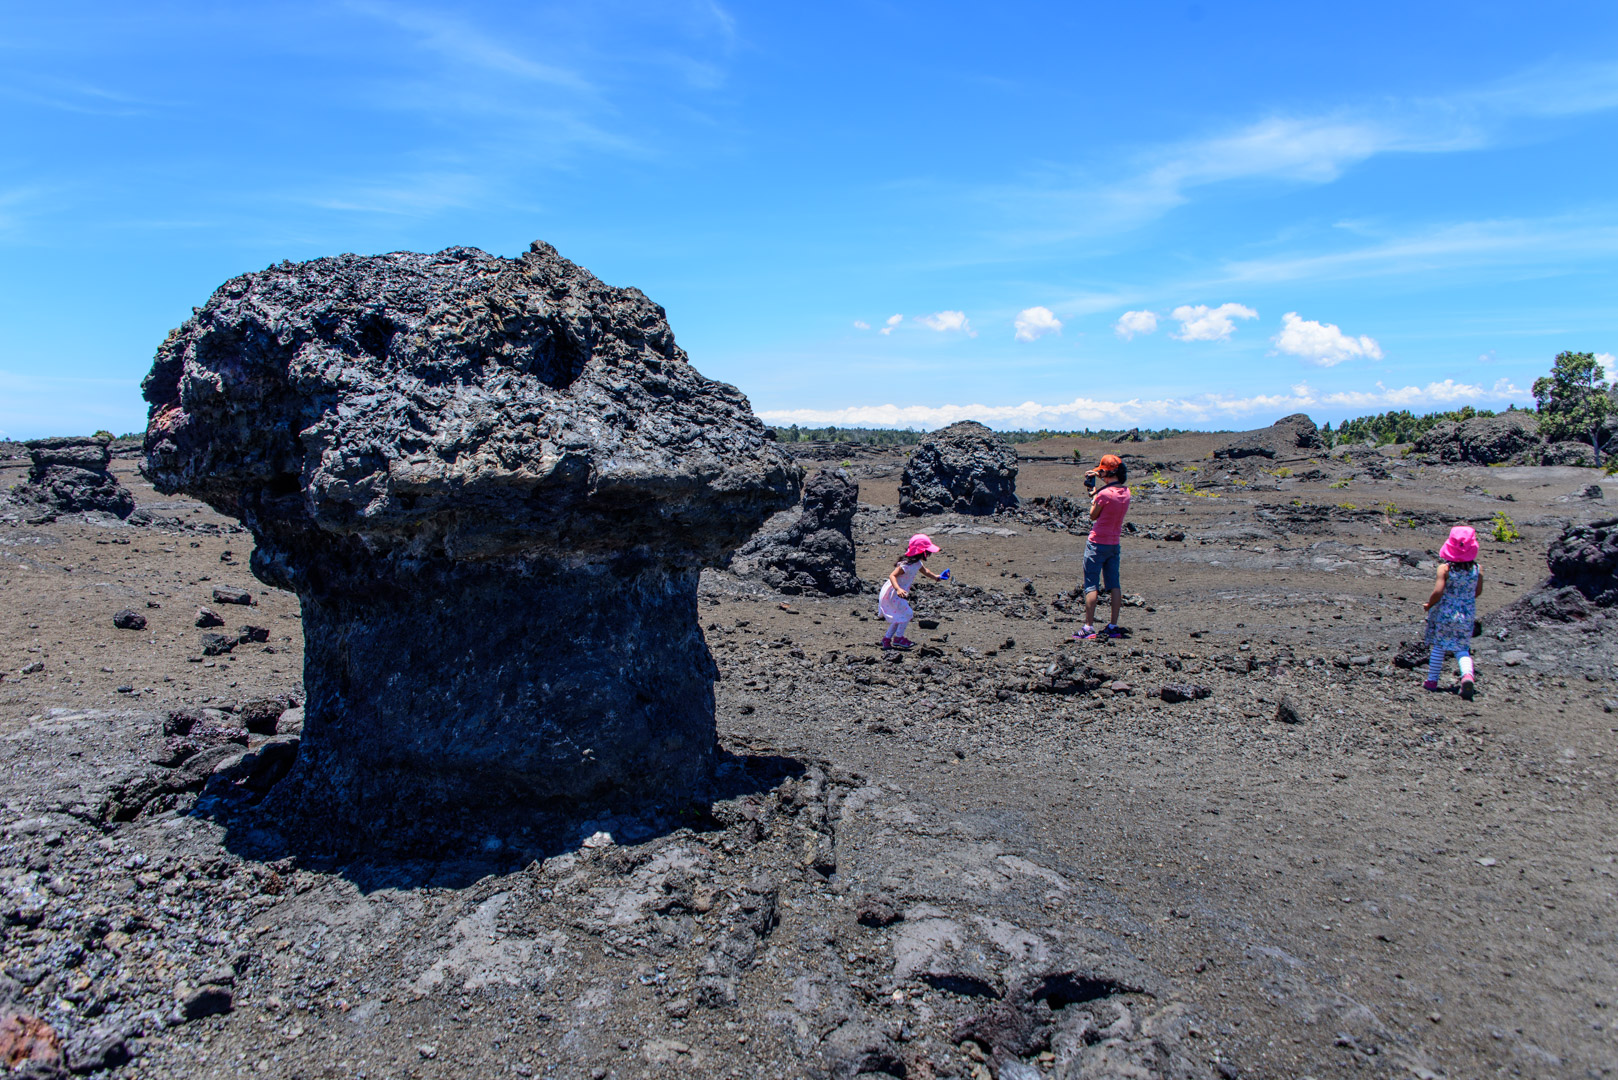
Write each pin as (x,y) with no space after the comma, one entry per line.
(1205,214)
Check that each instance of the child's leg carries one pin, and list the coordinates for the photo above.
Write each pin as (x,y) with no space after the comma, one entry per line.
(1463,658)
(892,630)
(1435,663)
(899,629)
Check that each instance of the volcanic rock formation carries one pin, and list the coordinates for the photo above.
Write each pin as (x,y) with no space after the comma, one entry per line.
(1285,438)
(1484,440)
(493,484)
(811,547)
(69,475)
(965,468)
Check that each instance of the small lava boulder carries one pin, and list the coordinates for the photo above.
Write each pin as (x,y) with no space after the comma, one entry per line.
(493,484)
(964,468)
(1289,436)
(810,548)
(129,619)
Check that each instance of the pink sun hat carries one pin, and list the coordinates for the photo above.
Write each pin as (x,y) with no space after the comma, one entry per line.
(921,544)
(1462,545)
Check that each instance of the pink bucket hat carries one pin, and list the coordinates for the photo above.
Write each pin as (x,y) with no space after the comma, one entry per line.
(1462,545)
(921,544)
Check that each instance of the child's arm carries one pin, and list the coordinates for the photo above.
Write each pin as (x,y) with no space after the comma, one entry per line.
(928,573)
(1438,587)
(893,579)
(1480,585)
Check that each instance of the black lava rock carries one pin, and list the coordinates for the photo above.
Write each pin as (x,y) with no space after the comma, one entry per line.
(964,468)
(230,594)
(1484,440)
(129,619)
(1177,692)
(811,547)
(1286,437)
(249,634)
(207,618)
(217,644)
(70,475)
(493,484)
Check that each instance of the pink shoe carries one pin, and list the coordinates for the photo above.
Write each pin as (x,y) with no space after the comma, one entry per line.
(1468,688)
(1430,684)
(1088,633)
(887,643)
(903,643)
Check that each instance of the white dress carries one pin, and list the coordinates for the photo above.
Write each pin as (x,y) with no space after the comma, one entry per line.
(890,605)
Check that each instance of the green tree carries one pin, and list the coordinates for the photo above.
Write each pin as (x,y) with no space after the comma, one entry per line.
(1575,401)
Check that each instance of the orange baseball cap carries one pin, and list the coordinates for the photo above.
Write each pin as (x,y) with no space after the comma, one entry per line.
(1110,463)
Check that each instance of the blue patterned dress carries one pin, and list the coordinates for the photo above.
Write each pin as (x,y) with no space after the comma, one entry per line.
(1449,623)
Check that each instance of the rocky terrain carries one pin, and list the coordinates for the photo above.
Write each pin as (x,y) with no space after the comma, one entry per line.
(1241,841)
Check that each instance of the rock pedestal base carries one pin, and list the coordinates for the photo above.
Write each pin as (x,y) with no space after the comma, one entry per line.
(500,688)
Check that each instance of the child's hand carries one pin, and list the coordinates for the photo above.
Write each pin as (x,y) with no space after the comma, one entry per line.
(904,594)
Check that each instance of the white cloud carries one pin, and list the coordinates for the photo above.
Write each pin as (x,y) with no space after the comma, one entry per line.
(1136,322)
(1322,343)
(1203,323)
(861,324)
(1035,322)
(947,321)
(893,320)
(1607,361)
(1203,410)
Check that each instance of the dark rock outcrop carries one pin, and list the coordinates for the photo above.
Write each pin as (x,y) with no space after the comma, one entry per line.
(1583,564)
(811,547)
(493,484)
(1511,436)
(1287,437)
(1132,435)
(964,468)
(69,475)
(1585,557)
(1566,453)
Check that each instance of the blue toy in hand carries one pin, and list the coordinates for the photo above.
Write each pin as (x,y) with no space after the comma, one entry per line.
(945,575)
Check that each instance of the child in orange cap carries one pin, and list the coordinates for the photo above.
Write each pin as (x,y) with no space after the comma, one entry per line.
(894,603)
(1108,506)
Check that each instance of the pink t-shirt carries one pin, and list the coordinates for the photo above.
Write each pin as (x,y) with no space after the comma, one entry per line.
(1112,504)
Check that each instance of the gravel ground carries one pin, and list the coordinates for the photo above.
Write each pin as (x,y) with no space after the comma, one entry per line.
(1001,854)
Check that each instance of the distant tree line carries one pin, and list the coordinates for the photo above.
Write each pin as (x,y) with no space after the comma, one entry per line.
(792,433)
(1399,426)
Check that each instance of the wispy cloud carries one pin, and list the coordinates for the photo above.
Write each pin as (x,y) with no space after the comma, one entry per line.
(1199,410)
(947,322)
(1200,322)
(1296,149)
(463,43)
(893,321)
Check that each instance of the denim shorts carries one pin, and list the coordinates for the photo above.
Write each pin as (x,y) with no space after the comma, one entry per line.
(1100,562)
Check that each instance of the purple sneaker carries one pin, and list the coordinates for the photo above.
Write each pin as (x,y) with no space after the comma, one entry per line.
(1430,684)
(1088,633)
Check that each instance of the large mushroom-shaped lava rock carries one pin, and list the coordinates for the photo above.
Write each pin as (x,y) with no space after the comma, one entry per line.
(965,468)
(811,547)
(493,484)
(1289,436)
(69,475)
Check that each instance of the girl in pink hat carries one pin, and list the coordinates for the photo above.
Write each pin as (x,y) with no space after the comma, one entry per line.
(1453,607)
(894,603)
